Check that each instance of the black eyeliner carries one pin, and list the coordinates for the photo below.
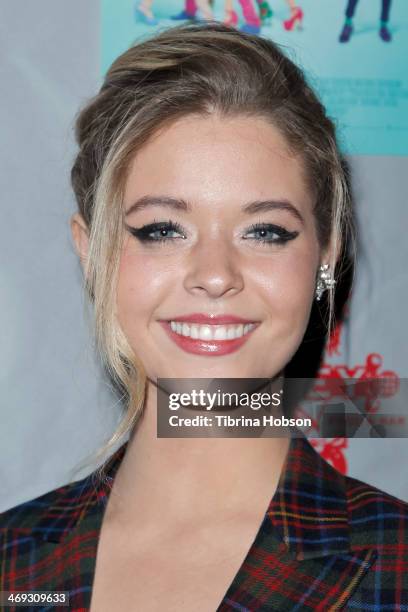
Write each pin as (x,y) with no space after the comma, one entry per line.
(143,233)
(284,234)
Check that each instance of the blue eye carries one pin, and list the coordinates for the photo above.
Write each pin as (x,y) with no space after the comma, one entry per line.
(269,233)
(159,231)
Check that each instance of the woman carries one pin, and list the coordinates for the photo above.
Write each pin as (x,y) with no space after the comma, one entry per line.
(213,209)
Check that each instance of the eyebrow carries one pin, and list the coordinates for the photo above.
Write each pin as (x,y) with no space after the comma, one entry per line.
(182,205)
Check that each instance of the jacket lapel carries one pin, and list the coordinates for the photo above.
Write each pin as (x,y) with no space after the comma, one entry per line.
(302,558)
(309,508)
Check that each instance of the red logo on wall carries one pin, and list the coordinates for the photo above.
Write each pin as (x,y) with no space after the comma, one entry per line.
(383,383)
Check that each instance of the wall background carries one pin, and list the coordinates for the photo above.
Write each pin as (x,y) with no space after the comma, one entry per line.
(56,406)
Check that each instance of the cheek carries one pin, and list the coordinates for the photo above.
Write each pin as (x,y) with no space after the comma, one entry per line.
(287,282)
(142,282)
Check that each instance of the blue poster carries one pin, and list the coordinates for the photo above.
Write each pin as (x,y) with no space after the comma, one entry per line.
(354,52)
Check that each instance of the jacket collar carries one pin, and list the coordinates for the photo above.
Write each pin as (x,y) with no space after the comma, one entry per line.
(307,513)
(309,508)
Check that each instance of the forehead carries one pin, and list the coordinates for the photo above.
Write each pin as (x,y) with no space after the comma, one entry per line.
(218,160)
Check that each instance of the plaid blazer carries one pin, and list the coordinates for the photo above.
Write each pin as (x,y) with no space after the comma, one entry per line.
(327,542)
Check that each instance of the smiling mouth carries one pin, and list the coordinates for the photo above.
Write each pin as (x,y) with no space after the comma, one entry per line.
(208,339)
(211,332)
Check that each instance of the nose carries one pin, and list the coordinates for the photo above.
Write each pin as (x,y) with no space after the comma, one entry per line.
(213,269)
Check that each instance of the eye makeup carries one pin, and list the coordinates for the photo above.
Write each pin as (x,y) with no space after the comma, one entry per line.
(270,233)
(157,231)
(164,231)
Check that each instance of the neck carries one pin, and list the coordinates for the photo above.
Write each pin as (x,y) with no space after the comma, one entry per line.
(192,478)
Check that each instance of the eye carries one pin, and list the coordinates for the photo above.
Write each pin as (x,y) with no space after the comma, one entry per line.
(158,231)
(269,233)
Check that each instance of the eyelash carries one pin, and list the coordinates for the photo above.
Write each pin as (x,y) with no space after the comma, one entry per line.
(143,233)
(284,234)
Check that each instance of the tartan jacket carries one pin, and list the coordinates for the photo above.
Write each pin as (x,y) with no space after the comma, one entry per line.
(327,542)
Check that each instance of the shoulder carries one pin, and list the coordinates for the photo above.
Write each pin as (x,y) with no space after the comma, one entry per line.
(376,518)
(378,529)
(44,540)
(47,516)
(53,515)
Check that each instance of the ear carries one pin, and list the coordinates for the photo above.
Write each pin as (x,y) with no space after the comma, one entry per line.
(80,235)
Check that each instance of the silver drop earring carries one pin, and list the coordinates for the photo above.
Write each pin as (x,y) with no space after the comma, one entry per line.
(324,281)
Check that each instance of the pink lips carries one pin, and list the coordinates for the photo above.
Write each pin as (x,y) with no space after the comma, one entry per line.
(208,347)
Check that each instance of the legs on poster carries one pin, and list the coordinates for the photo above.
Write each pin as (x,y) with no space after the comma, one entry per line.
(189,11)
(255,13)
(383,32)
(191,7)
(252,23)
(347,31)
(253,18)
(205,9)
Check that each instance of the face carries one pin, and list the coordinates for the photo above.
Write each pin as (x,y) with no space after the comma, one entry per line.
(218,267)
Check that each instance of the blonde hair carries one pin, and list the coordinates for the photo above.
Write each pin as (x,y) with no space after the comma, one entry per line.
(193,69)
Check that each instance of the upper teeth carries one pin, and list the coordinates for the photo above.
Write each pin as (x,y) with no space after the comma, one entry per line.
(211,332)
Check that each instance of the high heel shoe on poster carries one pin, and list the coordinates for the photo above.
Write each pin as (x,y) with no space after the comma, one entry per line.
(385,33)
(346,33)
(231,18)
(183,16)
(251,28)
(295,20)
(140,16)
